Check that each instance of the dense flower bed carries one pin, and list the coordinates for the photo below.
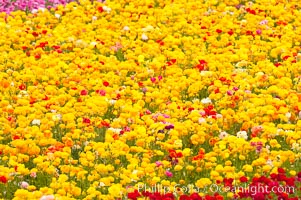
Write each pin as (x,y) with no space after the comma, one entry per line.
(150,99)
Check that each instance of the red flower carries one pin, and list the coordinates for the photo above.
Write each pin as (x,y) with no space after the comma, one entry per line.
(105,124)
(168,196)
(228,181)
(179,155)
(219,197)
(100,9)
(184,197)
(3,179)
(274,176)
(106,84)
(259,196)
(16,137)
(22,86)
(219,31)
(208,197)
(38,56)
(86,120)
(45,98)
(230,32)
(160,42)
(84,92)
(195,196)
(173,153)
(222,79)
(134,195)
(243,179)
(281,171)
(35,34)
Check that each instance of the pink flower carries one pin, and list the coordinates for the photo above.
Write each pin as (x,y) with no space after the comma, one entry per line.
(101,92)
(117,46)
(264,22)
(230,92)
(153,79)
(258,32)
(168,173)
(33,174)
(158,163)
(24,185)
(159,78)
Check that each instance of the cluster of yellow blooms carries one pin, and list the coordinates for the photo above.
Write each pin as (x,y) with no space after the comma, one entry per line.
(100,98)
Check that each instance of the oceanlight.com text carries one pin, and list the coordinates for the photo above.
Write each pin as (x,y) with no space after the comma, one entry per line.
(214,188)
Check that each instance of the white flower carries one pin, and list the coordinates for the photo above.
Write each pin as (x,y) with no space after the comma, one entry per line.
(206,100)
(47,197)
(144,37)
(80,44)
(112,101)
(94,18)
(36,122)
(115,130)
(126,28)
(223,135)
(102,184)
(242,134)
(107,9)
(33,11)
(219,116)
(57,15)
(23,93)
(76,146)
(202,120)
(288,115)
(93,43)
(295,146)
(42,9)
(270,162)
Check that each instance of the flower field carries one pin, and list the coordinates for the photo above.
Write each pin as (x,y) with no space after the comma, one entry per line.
(150,99)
